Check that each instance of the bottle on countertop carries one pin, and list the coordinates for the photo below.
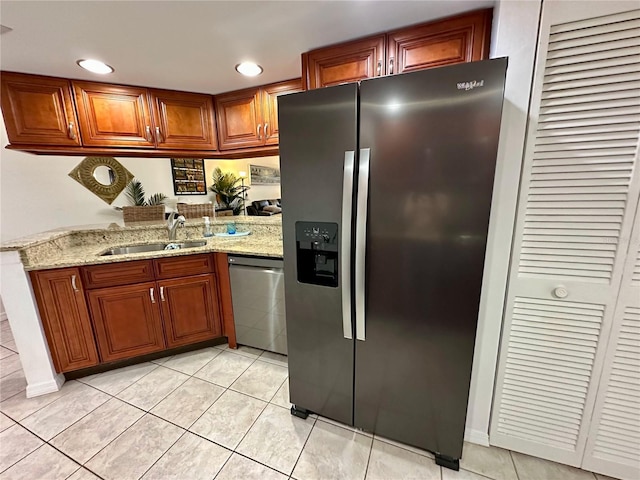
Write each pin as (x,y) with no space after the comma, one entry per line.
(206,230)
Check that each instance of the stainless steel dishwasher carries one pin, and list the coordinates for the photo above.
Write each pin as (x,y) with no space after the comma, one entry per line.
(257,290)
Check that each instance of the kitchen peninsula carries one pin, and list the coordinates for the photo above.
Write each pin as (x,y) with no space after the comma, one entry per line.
(68,297)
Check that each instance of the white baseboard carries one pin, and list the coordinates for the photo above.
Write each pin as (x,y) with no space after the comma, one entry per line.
(43,388)
(476,436)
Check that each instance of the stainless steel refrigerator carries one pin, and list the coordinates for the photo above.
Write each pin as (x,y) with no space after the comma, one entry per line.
(386,191)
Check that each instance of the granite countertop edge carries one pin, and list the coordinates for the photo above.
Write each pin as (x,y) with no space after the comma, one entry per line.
(260,246)
(50,235)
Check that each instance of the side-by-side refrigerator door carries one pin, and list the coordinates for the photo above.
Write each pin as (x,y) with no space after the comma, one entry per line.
(318,135)
(431,140)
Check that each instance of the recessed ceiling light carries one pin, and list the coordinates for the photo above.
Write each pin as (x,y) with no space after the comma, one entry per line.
(95,66)
(249,69)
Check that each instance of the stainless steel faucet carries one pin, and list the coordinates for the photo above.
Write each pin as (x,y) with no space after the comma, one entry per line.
(173,221)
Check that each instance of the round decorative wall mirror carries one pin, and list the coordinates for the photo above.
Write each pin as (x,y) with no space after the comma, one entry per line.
(104,176)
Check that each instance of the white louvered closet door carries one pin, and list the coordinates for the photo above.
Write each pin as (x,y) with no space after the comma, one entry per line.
(579,192)
(613,446)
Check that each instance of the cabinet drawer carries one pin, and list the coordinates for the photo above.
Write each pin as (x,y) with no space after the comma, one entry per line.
(183,266)
(113,274)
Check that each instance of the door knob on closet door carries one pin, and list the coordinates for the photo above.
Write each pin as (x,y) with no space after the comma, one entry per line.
(560,292)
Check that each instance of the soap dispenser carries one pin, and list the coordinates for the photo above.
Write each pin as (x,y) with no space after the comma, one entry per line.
(206,230)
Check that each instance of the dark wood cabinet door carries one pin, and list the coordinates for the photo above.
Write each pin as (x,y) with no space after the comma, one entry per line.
(270,94)
(183,121)
(38,110)
(65,318)
(347,62)
(239,118)
(114,116)
(127,320)
(459,39)
(190,309)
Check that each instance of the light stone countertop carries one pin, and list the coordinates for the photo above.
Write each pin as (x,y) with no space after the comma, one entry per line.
(82,245)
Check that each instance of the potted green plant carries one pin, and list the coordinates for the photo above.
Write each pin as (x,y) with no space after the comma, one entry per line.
(229,194)
(149,209)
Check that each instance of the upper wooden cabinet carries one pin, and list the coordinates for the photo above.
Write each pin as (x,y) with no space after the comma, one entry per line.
(183,121)
(65,318)
(460,39)
(239,119)
(38,110)
(114,116)
(270,95)
(119,116)
(249,118)
(347,62)
(463,38)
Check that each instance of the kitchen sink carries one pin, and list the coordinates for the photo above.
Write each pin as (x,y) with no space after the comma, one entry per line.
(153,247)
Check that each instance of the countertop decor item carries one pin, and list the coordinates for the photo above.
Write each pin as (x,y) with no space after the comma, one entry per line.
(103,176)
(135,194)
(236,234)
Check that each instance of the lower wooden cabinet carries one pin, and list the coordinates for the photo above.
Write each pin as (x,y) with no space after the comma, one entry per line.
(103,313)
(65,318)
(127,320)
(189,309)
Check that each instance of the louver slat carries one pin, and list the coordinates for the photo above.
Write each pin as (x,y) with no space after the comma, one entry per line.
(583,159)
(618,434)
(543,398)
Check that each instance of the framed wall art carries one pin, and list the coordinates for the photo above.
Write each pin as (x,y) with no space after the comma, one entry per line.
(264,175)
(188,176)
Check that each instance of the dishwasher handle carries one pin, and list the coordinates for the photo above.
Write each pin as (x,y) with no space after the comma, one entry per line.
(256,262)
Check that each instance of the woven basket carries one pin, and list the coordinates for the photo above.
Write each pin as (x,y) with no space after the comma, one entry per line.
(143,214)
(197,210)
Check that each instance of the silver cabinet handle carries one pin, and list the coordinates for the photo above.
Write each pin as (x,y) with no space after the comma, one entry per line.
(162,293)
(73,283)
(266,126)
(148,134)
(390,66)
(71,131)
(345,266)
(379,69)
(153,298)
(258,130)
(158,135)
(361,241)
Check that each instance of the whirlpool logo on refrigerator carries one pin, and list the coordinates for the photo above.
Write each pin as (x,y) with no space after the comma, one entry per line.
(470,85)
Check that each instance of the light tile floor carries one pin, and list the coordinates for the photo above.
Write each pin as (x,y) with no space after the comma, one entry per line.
(213,413)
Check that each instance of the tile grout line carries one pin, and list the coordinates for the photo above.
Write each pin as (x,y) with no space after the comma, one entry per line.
(45,442)
(163,453)
(315,421)
(513,462)
(366,470)
(46,405)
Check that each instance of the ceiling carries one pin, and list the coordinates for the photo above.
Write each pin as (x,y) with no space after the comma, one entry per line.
(194,45)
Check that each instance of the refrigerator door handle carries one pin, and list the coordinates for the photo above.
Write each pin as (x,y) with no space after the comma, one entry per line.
(345,267)
(361,241)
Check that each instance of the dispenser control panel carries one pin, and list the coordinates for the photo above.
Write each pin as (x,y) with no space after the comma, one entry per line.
(317,253)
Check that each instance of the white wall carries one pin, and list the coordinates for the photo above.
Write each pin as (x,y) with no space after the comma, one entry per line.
(37,194)
(515,28)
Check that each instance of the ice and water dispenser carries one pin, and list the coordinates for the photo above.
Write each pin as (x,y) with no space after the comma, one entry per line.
(317,253)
